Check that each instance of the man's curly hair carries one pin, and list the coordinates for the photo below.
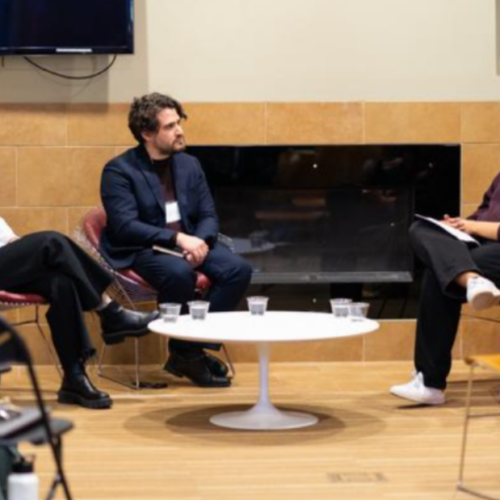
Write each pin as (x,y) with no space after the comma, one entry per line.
(143,114)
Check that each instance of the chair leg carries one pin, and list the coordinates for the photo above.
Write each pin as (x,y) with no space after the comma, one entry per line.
(136,383)
(460,484)
(232,372)
(46,341)
(49,348)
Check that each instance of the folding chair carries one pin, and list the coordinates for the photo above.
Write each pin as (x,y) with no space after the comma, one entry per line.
(128,288)
(490,362)
(10,301)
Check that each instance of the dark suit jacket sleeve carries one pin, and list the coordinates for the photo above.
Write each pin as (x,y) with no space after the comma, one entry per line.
(207,223)
(117,192)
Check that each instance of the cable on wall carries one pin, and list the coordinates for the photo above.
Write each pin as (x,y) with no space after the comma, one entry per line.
(71,77)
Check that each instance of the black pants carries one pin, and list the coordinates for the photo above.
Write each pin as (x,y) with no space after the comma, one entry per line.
(51,265)
(441,299)
(175,280)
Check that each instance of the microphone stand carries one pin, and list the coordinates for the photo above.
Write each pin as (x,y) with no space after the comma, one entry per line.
(22,354)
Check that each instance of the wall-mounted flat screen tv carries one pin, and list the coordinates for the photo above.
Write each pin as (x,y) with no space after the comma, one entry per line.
(29,27)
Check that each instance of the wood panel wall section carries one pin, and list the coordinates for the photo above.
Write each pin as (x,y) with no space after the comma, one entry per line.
(51,157)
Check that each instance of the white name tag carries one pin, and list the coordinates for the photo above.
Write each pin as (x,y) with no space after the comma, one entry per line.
(172,212)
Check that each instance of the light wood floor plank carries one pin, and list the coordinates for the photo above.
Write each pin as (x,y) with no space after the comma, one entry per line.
(367,445)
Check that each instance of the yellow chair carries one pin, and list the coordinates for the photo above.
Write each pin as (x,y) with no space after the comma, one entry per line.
(490,362)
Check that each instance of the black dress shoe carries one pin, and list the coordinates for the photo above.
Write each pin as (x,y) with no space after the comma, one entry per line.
(195,369)
(216,366)
(77,389)
(118,323)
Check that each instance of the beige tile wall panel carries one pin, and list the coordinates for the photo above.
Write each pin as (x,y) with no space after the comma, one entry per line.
(468,209)
(394,340)
(61,176)
(36,345)
(42,177)
(99,125)
(315,123)
(84,172)
(412,123)
(480,164)
(29,220)
(11,315)
(225,124)
(480,336)
(481,122)
(33,125)
(28,314)
(75,215)
(8,184)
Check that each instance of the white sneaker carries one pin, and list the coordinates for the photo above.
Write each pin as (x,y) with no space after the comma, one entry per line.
(482,293)
(418,392)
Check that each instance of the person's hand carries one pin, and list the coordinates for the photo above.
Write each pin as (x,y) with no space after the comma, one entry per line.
(195,250)
(459,223)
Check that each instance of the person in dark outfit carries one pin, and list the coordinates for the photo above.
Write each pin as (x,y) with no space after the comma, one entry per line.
(49,264)
(155,194)
(455,272)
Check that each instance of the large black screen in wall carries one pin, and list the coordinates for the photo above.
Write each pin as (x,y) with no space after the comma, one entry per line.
(329,214)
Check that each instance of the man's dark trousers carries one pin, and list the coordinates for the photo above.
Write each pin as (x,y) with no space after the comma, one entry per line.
(175,279)
(51,265)
(444,258)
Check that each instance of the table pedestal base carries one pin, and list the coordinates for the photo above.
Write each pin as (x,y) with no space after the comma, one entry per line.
(263,418)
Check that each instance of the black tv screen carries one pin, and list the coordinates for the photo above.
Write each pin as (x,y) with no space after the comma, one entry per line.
(66,27)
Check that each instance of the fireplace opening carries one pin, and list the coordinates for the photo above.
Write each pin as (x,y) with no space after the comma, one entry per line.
(322,221)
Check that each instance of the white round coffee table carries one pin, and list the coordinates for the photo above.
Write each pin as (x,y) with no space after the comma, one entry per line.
(274,326)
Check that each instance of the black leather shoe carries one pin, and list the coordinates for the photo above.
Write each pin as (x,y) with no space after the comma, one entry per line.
(195,369)
(216,366)
(118,323)
(77,389)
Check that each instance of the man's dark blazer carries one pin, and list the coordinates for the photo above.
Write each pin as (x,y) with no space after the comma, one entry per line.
(133,199)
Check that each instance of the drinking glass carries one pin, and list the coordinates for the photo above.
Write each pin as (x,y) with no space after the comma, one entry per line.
(340,308)
(358,311)
(170,311)
(198,309)
(257,305)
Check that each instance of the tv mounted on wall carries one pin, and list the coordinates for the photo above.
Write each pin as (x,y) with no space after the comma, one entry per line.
(29,27)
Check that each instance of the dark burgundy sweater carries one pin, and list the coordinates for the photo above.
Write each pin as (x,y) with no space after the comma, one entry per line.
(489,210)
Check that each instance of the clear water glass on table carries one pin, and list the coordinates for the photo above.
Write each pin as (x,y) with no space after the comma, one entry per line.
(358,311)
(198,309)
(170,311)
(340,308)
(257,305)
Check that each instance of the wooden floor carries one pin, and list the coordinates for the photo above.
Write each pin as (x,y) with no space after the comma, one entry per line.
(367,445)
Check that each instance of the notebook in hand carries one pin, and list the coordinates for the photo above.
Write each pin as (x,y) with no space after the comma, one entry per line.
(168,251)
(459,235)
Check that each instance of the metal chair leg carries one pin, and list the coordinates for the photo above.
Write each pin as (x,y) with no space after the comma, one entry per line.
(232,371)
(460,483)
(137,383)
(36,321)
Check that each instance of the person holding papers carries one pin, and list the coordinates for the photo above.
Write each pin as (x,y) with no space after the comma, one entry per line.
(455,271)
(157,195)
(49,264)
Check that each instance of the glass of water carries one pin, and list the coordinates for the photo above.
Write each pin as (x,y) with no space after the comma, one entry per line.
(257,305)
(198,309)
(170,311)
(340,308)
(358,311)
